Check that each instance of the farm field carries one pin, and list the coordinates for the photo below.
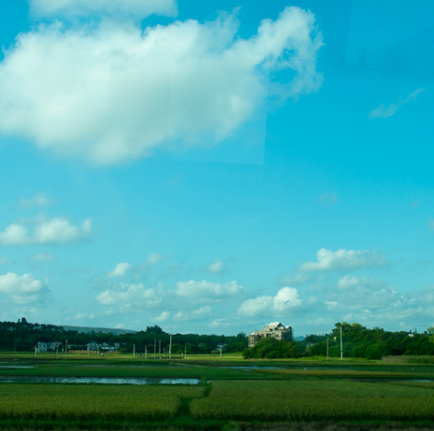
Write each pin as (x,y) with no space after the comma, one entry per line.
(231,394)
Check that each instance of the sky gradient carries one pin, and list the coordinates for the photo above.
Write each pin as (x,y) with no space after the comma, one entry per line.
(215,166)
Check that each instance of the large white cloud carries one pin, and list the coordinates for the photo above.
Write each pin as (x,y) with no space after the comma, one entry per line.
(206,289)
(51,231)
(342,259)
(115,92)
(21,289)
(286,299)
(137,8)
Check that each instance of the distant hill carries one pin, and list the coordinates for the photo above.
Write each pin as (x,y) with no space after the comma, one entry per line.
(299,338)
(87,330)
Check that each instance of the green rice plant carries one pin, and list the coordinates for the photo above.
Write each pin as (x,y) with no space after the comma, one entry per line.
(72,402)
(310,400)
(420,359)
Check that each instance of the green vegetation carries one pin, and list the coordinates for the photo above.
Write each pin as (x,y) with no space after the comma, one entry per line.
(274,381)
(270,348)
(360,342)
(234,393)
(307,400)
(84,402)
(23,336)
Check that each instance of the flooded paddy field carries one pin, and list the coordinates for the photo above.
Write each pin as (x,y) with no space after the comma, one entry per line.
(130,393)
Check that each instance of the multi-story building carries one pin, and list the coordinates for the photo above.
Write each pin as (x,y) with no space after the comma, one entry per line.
(273,330)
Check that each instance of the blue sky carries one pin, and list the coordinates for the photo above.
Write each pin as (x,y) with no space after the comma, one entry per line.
(215,166)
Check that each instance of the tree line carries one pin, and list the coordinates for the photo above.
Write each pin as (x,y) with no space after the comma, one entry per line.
(358,342)
(24,336)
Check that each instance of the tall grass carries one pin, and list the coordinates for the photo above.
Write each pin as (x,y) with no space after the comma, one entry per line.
(310,400)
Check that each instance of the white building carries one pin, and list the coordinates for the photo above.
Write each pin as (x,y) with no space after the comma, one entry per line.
(41,347)
(273,330)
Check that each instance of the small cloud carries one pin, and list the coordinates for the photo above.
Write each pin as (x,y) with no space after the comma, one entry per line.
(51,231)
(430,224)
(216,267)
(153,260)
(218,323)
(4,261)
(198,314)
(286,299)
(119,271)
(163,317)
(38,200)
(382,111)
(43,257)
(205,289)
(129,297)
(328,199)
(21,289)
(83,316)
(328,260)
(350,282)
(331,304)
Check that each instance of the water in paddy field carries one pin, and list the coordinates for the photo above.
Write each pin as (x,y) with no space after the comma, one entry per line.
(101,380)
(391,380)
(259,367)
(14,366)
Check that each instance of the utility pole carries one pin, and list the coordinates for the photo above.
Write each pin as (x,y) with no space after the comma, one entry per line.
(134,350)
(221,351)
(327,347)
(57,350)
(185,355)
(35,350)
(88,351)
(66,347)
(170,345)
(159,348)
(342,349)
(155,348)
(146,352)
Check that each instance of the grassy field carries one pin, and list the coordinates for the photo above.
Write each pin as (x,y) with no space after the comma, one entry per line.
(301,400)
(72,402)
(234,394)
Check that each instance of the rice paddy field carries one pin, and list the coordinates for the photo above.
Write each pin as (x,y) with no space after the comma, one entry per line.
(226,394)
